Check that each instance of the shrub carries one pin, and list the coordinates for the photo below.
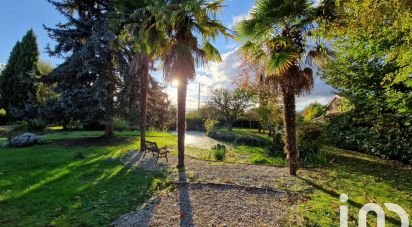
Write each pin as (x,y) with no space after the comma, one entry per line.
(275,148)
(219,151)
(120,124)
(379,137)
(195,124)
(37,124)
(310,138)
(211,125)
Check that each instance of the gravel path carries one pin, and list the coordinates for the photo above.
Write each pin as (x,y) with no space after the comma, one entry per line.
(211,194)
(206,205)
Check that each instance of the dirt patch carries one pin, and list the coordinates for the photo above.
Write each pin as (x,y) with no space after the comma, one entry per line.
(94,141)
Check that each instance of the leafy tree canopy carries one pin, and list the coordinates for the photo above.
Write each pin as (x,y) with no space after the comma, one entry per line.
(373,40)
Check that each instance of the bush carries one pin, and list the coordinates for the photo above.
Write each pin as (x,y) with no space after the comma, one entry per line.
(120,124)
(275,148)
(219,151)
(37,124)
(310,138)
(195,124)
(3,117)
(379,137)
(211,125)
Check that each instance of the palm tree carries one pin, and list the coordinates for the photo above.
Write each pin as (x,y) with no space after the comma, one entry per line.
(190,25)
(147,40)
(279,36)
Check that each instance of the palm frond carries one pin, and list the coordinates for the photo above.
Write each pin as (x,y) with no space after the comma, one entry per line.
(211,52)
(214,7)
(318,55)
(246,28)
(281,62)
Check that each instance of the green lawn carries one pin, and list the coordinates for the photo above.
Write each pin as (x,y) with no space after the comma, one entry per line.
(247,132)
(46,185)
(239,154)
(365,179)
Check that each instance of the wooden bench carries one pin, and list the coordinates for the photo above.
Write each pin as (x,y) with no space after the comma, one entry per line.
(158,153)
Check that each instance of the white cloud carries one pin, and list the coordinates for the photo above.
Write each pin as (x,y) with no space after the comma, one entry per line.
(316,3)
(210,77)
(231,46)
(238,18)
(224,75)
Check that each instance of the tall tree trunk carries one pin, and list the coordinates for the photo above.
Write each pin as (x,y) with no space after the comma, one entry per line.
(109,128)
(132,92)
(181,122)
(289,116)
(229,125)
(144,85)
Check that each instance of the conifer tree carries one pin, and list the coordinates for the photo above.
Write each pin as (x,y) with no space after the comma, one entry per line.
(87,79)
(18,79)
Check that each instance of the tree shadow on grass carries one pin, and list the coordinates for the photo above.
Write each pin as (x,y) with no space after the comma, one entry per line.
(95,141)
(82,193)
(186,212)
(349,201)
(393,173)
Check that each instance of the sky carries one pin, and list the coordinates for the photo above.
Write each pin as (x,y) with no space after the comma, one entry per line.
(18,16)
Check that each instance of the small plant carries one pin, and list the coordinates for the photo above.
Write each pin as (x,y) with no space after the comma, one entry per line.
(219,151)
(315,159)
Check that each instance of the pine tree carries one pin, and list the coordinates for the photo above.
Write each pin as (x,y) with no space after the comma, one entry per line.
(18,79)
(87,79)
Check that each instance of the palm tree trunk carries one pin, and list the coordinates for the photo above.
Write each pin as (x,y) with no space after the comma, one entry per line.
(289,117)
(144,84)
(181,122)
